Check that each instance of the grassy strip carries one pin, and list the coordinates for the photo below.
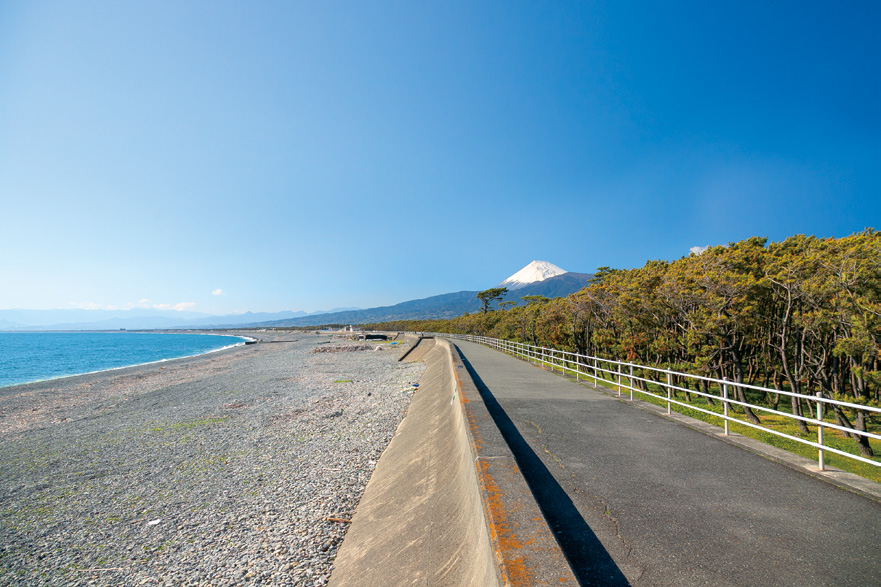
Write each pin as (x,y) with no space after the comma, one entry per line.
(831,438)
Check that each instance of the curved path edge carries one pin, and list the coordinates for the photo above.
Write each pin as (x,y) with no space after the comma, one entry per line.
(447,503)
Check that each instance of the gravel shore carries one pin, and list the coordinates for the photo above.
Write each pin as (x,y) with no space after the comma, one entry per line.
(237,467)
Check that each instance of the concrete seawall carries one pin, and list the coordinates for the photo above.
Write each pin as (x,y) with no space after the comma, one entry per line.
(447,504)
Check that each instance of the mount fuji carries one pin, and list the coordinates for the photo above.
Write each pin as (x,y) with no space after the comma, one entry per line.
(539,278)
(532,273)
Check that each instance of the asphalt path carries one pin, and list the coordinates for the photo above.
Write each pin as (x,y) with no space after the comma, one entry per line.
(639,499)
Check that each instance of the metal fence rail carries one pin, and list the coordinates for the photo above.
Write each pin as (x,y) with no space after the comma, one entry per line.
(621,375)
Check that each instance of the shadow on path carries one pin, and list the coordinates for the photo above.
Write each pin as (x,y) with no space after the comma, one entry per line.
(589,560)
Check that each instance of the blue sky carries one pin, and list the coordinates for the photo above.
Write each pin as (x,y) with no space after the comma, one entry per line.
(232,156)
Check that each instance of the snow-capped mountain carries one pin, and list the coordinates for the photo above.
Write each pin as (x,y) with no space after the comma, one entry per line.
(532,273)
(545,280)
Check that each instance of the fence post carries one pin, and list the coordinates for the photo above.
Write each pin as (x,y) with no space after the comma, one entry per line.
(595,378)
(619,379)
(725,404)
(669,390)
(820,433)
(630,381)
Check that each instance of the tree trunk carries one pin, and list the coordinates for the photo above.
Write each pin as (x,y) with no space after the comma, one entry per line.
(775,400)
(738,378)
(863,441)
(794,387)
(841,420)
(704,387)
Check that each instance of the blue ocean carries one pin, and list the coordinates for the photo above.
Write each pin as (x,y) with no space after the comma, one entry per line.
(35,356)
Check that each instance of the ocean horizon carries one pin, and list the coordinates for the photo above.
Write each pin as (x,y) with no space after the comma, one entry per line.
(30,357)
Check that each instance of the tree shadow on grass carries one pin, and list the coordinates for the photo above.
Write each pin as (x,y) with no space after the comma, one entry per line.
(590,561)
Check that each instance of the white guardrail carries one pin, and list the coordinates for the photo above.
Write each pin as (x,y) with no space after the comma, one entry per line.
(596,368)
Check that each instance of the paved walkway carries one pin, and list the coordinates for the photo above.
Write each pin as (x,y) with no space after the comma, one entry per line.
(639,499)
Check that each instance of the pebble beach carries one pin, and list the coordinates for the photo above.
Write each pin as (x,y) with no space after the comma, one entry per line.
(240,467)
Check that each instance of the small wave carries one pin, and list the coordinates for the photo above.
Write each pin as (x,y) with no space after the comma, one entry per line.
(12,381)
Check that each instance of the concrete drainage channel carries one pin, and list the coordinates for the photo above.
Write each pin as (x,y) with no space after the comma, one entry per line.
(447,504)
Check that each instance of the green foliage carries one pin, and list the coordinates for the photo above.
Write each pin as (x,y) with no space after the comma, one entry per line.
(491,295)
(803,315)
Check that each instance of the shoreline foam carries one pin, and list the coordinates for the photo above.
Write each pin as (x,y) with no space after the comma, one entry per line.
(33,381)
(225,468)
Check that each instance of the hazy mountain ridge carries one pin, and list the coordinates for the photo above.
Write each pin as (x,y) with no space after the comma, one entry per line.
(441,306)
(539,278)
(134,319)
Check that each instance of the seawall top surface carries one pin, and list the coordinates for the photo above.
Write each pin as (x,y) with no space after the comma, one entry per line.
(447,504)
(420,520)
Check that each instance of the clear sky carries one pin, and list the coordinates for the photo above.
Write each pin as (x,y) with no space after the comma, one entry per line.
(232,156)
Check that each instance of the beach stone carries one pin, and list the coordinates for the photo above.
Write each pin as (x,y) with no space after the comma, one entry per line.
(240,455)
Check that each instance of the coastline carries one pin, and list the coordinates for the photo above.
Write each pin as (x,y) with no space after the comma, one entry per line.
(248,340)
(45,402)
(224,468)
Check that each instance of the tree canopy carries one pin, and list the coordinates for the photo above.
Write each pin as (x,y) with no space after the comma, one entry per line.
(490,295)
(803,314)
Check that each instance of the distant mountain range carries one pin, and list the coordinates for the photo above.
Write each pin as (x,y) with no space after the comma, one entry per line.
(538,278)
(446,305)
(136,319)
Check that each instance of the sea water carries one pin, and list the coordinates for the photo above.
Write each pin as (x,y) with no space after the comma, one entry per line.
(26,357)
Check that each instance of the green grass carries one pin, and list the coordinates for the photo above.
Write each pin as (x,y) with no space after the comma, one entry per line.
(831,438)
